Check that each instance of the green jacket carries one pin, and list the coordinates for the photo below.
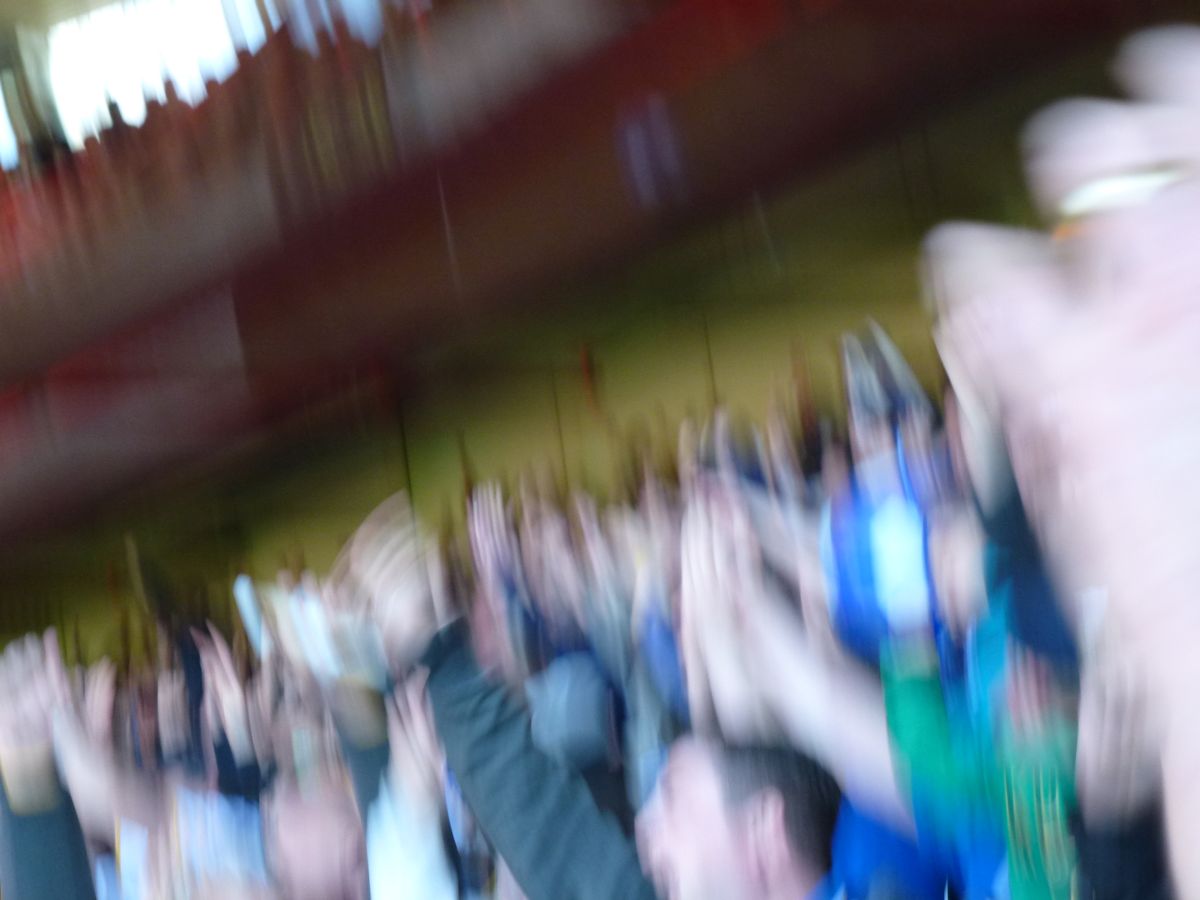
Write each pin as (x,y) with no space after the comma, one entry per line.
(956,773)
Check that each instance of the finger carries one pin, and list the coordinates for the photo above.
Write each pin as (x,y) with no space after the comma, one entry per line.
(104,692)
(222,655)
(1133,715)
(56,669)
(1090,157)
(747,555)
(1160,64)
(1086,750)
(435,572)
(693,662)
(722,431)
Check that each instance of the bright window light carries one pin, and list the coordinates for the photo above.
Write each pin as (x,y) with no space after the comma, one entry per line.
(9,152)
(126,51)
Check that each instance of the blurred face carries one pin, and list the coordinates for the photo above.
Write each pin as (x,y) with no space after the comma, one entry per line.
(689,842)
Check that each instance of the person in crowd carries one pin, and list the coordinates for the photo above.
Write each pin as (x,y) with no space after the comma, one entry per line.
(762,823)
(42,850)
(917,668)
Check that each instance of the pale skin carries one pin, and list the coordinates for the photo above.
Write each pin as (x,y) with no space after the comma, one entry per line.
(1101,413)
(106,792)
(709,852)
(749,659)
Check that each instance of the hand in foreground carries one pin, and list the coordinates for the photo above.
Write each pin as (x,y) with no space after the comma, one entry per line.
(32,677)
(1083,351)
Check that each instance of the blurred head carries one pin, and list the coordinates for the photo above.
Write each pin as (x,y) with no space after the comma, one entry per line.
(736,823)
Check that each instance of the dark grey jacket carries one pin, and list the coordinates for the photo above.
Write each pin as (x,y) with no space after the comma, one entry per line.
(537,814)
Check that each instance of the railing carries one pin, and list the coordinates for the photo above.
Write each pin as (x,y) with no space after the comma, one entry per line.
(98,236)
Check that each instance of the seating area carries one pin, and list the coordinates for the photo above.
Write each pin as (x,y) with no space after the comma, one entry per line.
(289,135)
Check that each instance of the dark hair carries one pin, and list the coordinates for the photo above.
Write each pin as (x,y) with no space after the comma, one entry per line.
(809,793)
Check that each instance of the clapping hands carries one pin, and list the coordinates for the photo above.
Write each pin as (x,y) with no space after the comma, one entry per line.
(721,585)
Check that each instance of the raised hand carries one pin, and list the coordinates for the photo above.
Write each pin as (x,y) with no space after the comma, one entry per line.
(493,544)
(224,694)
(26,754)
(498,573)
(608,589)
(553,573)
(720,575)
(58,682)
(598,562)
(173,725)
(1101,414)
(786,474)
(1081,355)
(98,694)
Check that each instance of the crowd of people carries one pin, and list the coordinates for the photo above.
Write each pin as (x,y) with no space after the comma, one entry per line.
(941,652)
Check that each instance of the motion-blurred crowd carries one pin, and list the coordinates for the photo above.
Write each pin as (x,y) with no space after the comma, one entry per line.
(946,651)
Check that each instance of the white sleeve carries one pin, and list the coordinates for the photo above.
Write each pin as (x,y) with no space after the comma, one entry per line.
(405,857)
